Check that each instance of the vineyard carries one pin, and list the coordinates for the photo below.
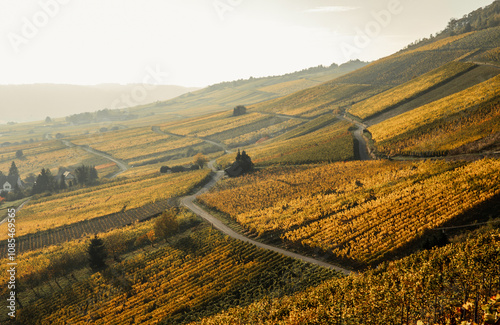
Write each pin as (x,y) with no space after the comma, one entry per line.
(287,88)
(411,220)
(442,125)
(51,155)
(447,285)
(201,274)
(316,101)
(359,213)
(233,131)
(140,146)
(400,94)
(327,140)
(87,203)
(63,234)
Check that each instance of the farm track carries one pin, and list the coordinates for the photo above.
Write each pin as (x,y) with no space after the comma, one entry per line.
(358,134)
(80,229)
(157,130)
(188,202)
(120,163)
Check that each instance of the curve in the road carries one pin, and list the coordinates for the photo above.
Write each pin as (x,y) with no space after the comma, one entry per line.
(157,130)
(121,164)
(17,210)
(188,202)
(358,134)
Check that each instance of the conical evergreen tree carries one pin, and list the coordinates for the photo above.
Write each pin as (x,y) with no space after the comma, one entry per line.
(97,254)
(13,171)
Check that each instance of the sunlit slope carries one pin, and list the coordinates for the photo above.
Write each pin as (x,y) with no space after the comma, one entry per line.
(323,139)
(423,288)
(50,154)
(226,95)
(357,212)
(312,102)
(198,274)
(443,125)
(405,65)
(231,131)
(65,208)
(359,87)
(411,89)
(142,146)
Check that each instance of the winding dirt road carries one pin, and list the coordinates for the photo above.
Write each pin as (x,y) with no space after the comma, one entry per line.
(121,164)
(157,130)
(358,134)
(188,202)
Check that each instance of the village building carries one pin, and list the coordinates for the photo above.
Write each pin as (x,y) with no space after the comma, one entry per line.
(9,183)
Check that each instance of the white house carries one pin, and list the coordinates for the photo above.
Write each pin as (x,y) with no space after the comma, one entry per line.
(8,183)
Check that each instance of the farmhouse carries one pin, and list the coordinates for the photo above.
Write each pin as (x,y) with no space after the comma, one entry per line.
(9,183)
(66,174)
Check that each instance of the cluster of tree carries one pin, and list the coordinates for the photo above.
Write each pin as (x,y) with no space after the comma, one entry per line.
(242,165)
(12,177)
(86,175)
(100,116)
(47,182)
(479,19)
(239,110)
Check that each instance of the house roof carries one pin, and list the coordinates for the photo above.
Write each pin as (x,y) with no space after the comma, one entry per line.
(12,180)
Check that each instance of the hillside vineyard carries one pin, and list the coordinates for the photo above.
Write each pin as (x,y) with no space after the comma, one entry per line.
(368,193)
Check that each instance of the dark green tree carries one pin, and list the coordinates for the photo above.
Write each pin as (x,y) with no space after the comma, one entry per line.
(244,161)
(13,171)
(86,175)
(44,182)
(97,254)
(239,110)
(19,154)
(62,182)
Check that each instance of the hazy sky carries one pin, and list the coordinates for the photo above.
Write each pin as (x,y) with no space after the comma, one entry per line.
(201,42)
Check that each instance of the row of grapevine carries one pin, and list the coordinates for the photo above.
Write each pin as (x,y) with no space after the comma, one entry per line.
(398,95)
(59,235)
(445,124)
(330,143)
(449,285)
(201,275)
(358,212)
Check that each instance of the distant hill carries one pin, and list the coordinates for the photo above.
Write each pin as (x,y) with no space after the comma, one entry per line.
(21,103)
(226,95)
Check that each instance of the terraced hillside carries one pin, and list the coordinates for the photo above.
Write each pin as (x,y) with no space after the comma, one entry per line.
(358,213)
(199,274)
(67,208)
(445,125)
(453,284)
(402,223)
